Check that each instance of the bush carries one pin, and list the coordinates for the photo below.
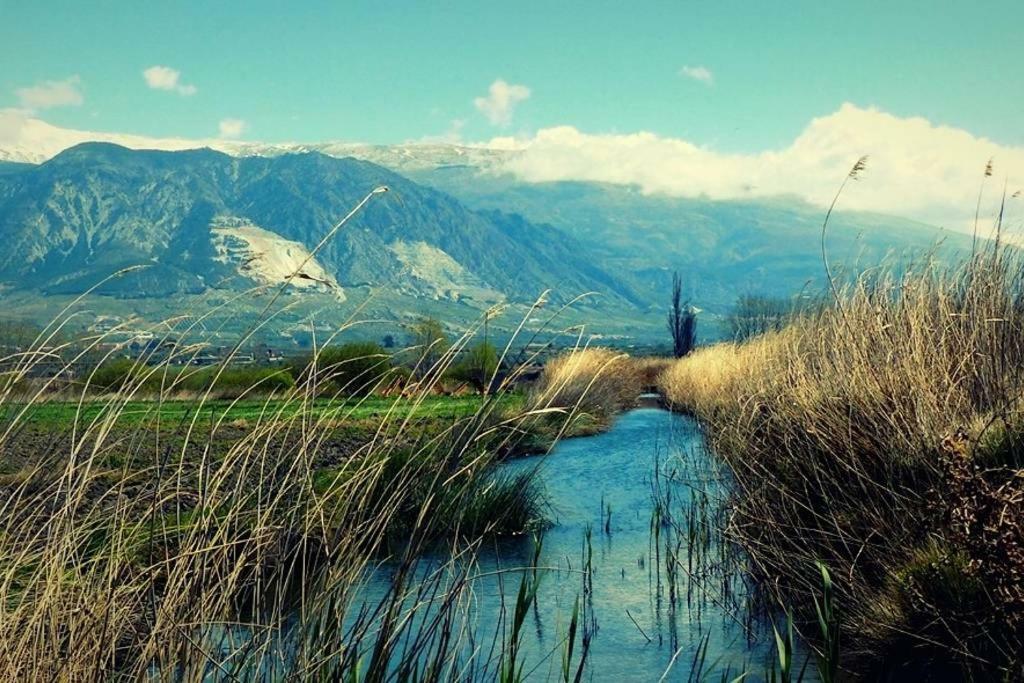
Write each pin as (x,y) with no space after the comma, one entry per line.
(232,381)
(354,369)
(113,374)
(477,366)
(430,344)
(229,382)
(753,315)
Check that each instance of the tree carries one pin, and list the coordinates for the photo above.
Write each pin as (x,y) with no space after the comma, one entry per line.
(753,315)
(477,365)
(430,342)
(682,320)
(355,368)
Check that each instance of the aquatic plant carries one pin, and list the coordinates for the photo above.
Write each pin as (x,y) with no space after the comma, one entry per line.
(194,549)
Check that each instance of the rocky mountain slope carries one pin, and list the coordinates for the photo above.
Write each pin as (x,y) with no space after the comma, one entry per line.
(722,248)
(201,219)
(457,228)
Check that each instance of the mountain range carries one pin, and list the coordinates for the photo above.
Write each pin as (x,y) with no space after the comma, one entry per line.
(455,236)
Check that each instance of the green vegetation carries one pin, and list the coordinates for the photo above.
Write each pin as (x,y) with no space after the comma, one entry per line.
(352,369)
(478,366)
(142,522)
(170,411)
(133,376)
(430,344)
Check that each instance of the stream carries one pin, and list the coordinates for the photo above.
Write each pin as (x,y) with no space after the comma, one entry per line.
(663,592)
(675,597)
(635,513)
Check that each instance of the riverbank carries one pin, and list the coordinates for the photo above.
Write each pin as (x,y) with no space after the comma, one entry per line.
(129,523)
(881,436)
(632,541)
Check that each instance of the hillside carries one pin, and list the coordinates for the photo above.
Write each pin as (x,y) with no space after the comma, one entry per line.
(202,221)
(723,248)
(457,234)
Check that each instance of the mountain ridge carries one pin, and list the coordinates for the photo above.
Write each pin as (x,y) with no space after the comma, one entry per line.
(99,204)
(455,229)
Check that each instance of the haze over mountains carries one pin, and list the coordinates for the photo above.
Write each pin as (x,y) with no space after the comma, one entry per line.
(456,236)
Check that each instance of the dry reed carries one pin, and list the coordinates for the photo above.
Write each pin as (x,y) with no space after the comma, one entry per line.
(881,436)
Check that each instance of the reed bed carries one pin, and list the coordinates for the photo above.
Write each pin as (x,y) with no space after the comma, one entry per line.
(192,549)
(594,382)
(881,436)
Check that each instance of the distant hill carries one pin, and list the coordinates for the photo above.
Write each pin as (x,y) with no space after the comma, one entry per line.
(722,248)
(14,167)
(202,220)
(455,236)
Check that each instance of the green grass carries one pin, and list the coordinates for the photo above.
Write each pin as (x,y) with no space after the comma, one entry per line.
(60,413)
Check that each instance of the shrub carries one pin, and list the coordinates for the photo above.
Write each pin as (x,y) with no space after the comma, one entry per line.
(113,374)
(355,368)
(753,315)
(430,344)
(231,382)
(477,365)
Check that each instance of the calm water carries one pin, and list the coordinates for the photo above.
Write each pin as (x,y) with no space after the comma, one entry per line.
(661,588)
(644,619)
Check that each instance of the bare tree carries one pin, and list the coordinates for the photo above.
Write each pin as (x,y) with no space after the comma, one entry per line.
(753,315)
(682,320)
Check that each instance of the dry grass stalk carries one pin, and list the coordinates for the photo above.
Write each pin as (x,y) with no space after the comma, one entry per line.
(839,432)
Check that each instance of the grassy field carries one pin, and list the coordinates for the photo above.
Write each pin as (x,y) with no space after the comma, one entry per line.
(150,412)
(131,534)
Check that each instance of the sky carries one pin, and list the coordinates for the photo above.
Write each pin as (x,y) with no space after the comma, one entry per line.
(736,80)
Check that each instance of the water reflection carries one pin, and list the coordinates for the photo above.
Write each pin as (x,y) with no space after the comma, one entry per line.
(633,549)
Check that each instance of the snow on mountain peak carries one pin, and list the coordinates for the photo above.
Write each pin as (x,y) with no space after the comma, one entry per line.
(31,140)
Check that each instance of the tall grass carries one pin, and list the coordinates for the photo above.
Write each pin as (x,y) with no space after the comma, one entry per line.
(188,550)
(594,382)
(133,550)
(881,436)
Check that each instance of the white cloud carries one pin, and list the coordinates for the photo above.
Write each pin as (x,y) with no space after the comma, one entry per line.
(232,128)
(500,102)
(52,94)
(25,138)
(165,78)
(701,74)
(916,169)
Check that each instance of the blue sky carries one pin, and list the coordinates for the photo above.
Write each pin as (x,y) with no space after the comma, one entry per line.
(391,71)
